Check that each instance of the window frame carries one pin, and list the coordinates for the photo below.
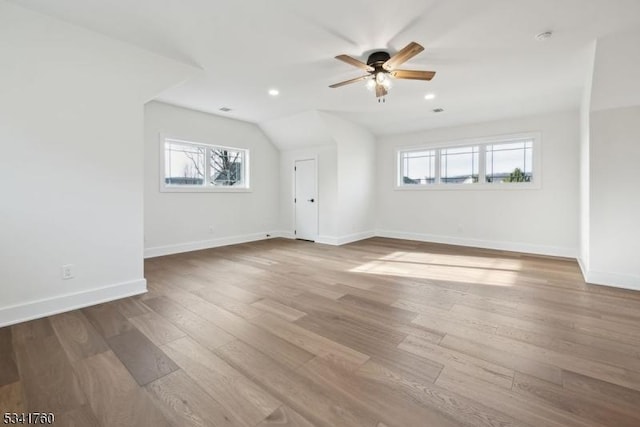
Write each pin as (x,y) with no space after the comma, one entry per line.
(400,165)
(167,188)
(482,142)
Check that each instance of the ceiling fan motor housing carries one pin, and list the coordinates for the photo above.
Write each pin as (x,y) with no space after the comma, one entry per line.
(376,59)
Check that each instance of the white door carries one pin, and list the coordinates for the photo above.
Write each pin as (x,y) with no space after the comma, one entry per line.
(306,199)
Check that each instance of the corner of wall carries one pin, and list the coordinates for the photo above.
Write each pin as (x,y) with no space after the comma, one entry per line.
(584,205)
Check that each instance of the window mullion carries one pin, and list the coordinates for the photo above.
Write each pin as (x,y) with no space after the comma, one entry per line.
(245,168)
(405,169)
(207,167)
(437,165)
(482,166)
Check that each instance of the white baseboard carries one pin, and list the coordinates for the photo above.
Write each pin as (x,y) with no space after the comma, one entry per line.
(284,234)
(350,238)
(612,279)
(583,268)
(343,240)
(207,244)
(327,240)
(487,244)
(234,240)
(50,306)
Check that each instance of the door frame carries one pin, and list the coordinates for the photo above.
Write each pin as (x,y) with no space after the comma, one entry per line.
(313,157)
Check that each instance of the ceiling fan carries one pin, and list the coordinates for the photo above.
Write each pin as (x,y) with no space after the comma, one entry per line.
(381,66)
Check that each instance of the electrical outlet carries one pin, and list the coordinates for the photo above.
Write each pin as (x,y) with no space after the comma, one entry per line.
(68,271)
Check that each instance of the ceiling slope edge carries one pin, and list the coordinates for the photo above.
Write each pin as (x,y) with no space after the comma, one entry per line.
(301,130)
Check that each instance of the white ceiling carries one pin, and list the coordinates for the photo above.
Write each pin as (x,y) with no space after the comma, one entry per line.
(489,66)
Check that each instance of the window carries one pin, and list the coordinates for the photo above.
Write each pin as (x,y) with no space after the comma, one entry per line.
(500,162)
(418,167)
(226,167)
(459,165)
(184,164)
(191,166)
(511,162)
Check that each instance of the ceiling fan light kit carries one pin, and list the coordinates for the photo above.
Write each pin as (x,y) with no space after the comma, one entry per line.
(381,67)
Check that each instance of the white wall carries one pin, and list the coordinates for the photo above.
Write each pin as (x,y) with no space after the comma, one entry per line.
(610,205)
(178,222)
(303,130)
(583,255)
(356,157)
(584,153)
(71,127)
(615,74)
(615,197)
(541,220)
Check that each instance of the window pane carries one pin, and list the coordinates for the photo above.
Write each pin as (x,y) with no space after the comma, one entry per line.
(418,167)
(459,165)
(184,164)
(510,162)
(227,167)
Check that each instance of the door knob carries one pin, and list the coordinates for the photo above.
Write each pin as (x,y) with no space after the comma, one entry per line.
(311,200)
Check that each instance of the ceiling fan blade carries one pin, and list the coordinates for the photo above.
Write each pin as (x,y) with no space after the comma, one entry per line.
(346,82)
(413,74)
(406,53)
(380,91)
(352,61)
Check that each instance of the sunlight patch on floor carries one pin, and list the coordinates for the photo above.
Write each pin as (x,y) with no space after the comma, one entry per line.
(476,270)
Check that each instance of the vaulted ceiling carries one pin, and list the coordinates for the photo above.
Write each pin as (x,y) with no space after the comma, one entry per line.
(489,64)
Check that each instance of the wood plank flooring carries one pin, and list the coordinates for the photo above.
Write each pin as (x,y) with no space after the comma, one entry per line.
(377,333)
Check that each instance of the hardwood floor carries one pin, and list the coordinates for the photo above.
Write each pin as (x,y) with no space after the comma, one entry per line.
(377,333)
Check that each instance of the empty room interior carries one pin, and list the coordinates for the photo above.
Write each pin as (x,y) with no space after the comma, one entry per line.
(341,213)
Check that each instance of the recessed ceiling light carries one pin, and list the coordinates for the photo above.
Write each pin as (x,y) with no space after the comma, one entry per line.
(225,109)
(438,110)
(430,96)
(274,92)
(544,36)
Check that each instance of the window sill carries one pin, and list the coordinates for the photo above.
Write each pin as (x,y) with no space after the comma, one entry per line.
(204,190)
(469,187)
